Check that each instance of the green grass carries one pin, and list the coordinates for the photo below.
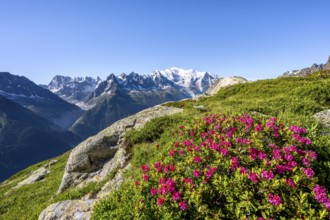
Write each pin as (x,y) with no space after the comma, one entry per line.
(293,100)
(28,201)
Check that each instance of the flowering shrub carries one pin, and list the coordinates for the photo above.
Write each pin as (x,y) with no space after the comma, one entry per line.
(233,167)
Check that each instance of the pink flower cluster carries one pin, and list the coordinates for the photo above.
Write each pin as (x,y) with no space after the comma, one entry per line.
(267,174)
(253,177)
(255,153)
(274,199)
(308,172)
(228,146)
(297,129)
(321,196)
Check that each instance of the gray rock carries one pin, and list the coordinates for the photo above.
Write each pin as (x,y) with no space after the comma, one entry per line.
(307,71)
(112,184)
(50,163)
(327,65)
(67,210)
(34,177)
(224,82)
(323,117)
(92,159)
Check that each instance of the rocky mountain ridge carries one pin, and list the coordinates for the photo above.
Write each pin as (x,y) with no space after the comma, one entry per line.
(120,96)
(87,92)
(39,100)
(73,90)
(306,71)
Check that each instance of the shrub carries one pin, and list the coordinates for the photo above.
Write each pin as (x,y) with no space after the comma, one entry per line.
(152,130)
(233,167)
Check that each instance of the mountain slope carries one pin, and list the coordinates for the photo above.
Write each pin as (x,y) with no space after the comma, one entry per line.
(292,100)
(118,97)
(118,105)
(39,100)
(26,138)
(73,90)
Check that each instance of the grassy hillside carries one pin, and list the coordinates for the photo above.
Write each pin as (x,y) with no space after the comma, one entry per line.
(28,201)
(292,100)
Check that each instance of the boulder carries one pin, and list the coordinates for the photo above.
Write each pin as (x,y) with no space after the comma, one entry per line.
(224,82)
(327,65)
(323,117)
(94,159)
(34,177)
(68,209)
(98,155)
(112,184)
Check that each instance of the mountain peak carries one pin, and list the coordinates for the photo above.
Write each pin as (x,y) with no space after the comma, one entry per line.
(73,90)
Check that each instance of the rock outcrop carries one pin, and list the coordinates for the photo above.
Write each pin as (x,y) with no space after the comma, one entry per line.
(307,71)
(323,117)
(68,209)
(223,82)
(34,177)
(327,65)
(94,159)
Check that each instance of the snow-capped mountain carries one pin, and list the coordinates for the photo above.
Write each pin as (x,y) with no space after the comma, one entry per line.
(120,96)
(87,92)
(73,90)
(39,100)
(189,82)
(193,81)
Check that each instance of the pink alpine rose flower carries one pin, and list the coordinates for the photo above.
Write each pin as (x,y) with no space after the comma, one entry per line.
(309,172)
(160,201)
(176,196)
(197,159)
(274,199)
(197,173)
(183,205)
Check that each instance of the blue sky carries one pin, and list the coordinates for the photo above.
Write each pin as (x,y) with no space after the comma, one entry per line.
(254,39)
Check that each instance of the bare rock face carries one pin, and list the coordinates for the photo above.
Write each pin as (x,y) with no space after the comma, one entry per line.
(307,71)
(69,209)
(223,82)
(95,157)
(323,117)
(34,177)
(327,65)
(112,184)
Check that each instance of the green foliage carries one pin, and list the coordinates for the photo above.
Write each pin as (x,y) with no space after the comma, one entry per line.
(28,201)
(292,100)
(117,206)
(152,130)
(299,96)
(224,152)
(91,188)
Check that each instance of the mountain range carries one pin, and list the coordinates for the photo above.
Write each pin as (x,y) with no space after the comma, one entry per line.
(308,70)
(39,100)
(38,122)
(119,96)
(26,138)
